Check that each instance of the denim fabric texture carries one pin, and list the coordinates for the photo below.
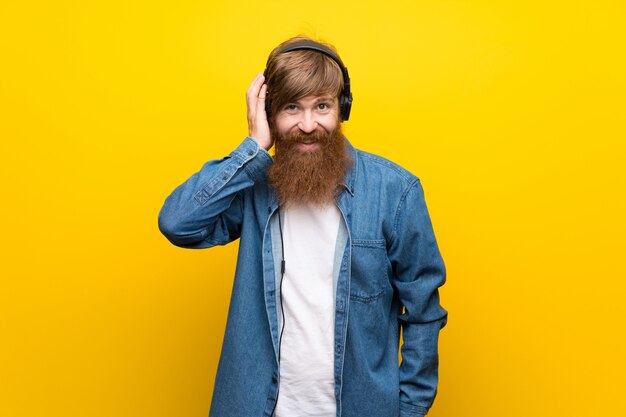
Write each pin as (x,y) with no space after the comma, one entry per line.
(388,274)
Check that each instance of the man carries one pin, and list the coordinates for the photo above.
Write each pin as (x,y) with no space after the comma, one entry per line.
(337,255)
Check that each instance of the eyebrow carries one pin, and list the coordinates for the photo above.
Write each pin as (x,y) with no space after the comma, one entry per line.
(323,98)
(317,100)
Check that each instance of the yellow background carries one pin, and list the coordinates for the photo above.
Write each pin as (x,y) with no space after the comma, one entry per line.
(511,113)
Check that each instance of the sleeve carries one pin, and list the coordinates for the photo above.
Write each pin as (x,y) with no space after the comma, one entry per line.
(206,210)
(418,273)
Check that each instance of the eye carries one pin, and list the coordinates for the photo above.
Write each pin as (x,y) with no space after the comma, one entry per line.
(290,107)
(323,106)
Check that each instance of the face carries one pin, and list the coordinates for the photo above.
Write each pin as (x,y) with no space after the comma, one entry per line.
(310,158)
(308,117)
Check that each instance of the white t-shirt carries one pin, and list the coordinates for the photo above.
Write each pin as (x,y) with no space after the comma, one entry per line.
(307,383)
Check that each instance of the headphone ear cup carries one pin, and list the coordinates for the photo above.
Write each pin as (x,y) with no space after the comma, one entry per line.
(345,104)
(342,107)
(268,107)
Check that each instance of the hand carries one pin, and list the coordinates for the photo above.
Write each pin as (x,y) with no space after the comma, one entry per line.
(258,127)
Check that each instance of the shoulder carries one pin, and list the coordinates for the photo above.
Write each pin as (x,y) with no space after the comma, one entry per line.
(370,164)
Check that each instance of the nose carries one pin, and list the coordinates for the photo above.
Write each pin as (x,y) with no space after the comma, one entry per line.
(307,124)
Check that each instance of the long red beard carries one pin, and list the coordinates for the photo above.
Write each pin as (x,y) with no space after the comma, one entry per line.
(312,176)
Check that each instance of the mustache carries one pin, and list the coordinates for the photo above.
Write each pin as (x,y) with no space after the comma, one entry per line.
(298,136)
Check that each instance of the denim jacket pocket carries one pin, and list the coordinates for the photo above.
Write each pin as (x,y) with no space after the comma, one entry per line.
(370,268)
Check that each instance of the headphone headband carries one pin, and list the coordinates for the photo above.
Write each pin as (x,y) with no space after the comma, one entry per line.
(345,97)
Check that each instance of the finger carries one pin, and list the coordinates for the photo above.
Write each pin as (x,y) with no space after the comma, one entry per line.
(260,104)
(254,80)
(250,91)
(255,85)
(253,92)
(262,92)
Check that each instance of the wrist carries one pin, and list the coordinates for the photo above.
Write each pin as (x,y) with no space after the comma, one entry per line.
(265,144)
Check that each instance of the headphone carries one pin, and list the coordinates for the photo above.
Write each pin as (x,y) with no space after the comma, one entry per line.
(345,98)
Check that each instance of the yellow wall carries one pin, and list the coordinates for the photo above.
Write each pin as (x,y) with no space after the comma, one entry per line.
(512,113)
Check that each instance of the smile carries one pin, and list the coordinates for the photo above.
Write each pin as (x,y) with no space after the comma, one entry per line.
(307,146)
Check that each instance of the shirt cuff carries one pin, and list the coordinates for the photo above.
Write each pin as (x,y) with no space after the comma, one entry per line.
(255,159)
(410,410)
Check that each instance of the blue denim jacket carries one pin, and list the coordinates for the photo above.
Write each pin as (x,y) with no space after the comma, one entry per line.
(387,278)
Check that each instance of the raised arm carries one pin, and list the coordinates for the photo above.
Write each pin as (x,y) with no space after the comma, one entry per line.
(206,210)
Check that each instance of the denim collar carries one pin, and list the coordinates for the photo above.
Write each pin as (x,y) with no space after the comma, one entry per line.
(351,175)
